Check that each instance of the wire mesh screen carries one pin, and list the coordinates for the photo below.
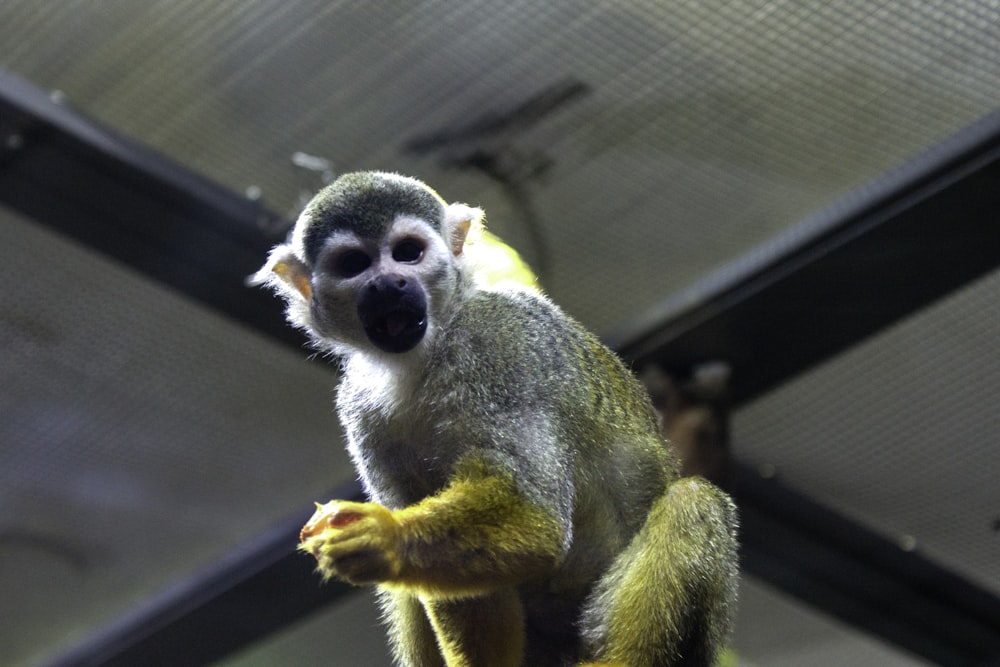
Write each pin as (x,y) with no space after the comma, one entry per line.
(702,129)
(901,432)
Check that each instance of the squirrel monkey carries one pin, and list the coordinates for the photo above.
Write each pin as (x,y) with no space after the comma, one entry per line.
(524,507)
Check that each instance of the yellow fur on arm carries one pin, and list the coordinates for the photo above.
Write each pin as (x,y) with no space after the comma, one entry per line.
(478,533)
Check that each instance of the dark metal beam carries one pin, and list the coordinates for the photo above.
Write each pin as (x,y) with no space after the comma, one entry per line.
(848,571)
(914,236)
(246,596)
(134,205)
(892,248)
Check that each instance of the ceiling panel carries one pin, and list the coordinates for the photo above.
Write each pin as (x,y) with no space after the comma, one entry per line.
(707,126)
(143,437)
(900,433)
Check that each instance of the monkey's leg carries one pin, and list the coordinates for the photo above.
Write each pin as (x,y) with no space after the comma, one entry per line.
(410,633)
(668,598)
(482,631)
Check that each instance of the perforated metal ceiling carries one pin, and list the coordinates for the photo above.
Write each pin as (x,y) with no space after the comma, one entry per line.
(707,128)
(143,436)
(901,432)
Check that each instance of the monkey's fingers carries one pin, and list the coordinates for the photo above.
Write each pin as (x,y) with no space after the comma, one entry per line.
(315,539)
(363,559)
(335,514)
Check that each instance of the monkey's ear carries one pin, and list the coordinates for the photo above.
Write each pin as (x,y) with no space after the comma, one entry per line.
(459,219)
(286,272)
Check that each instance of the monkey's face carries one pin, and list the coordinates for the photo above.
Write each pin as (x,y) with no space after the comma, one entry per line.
(373,264)
(385,292)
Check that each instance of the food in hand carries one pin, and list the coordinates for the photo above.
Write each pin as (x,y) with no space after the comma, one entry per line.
(331,515)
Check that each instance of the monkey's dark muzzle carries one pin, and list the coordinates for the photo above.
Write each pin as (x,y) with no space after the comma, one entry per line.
(393,312)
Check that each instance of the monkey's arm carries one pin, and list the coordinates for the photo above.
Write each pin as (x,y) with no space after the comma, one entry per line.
(480,532)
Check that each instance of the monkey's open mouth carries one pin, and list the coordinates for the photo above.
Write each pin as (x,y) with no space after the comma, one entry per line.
(398,330)
(393,312)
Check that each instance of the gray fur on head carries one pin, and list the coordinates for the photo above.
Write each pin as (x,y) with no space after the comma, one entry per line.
(366,202)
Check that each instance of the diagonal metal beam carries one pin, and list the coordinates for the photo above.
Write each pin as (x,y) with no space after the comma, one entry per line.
(244,597)
(822,558)
(136,206)
(914,236)
(891,248)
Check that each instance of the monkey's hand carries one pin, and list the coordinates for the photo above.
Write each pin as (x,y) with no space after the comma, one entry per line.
(357,542)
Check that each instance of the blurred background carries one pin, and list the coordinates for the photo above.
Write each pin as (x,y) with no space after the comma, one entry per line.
(802,194)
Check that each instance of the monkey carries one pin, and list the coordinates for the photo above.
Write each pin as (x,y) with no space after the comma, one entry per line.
(522,505)
(694,417)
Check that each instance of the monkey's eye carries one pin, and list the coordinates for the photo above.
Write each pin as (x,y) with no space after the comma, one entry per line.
(351,263)
(408,251)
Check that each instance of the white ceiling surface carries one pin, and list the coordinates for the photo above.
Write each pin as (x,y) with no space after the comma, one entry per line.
(144,436)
